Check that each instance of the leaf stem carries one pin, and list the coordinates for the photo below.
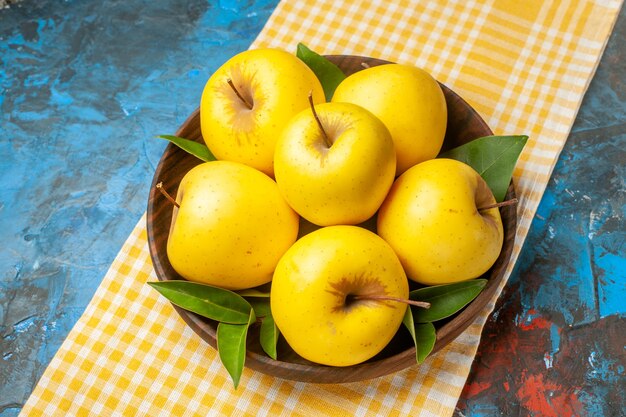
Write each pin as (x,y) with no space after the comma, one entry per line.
(319,122)
(502,204)
(421,304)
(167,195)
(244,101)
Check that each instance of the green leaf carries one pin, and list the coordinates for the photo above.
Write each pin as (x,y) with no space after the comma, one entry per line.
(423,334)
(269,336)
(208,301)
(198,150)
(269,331)
(408,322)
(231,346)
(426,336)
(494,157)
(445,300)
(261,306)
(328,73)
(253,292)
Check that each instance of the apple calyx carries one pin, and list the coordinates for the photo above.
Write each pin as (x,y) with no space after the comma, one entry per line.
(319,122)
(242,98)
(167,195)
(501,204)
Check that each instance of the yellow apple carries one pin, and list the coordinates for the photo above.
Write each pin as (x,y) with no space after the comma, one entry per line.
(232,226)
(431,219)
(323,295)
(410,103)
(241,122)
(339,172)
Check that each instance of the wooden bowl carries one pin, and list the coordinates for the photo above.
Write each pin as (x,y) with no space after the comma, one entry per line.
(464,125)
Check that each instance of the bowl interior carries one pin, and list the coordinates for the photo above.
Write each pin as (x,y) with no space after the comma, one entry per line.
(464,125)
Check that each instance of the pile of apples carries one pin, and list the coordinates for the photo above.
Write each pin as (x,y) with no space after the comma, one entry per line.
(288,160)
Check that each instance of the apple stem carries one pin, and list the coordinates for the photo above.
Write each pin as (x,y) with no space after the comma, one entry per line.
(497,205)
(232,85)
(319,122)
(422,304)
(167,195)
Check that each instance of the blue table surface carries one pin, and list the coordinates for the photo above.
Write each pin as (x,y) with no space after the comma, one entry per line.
(85,86)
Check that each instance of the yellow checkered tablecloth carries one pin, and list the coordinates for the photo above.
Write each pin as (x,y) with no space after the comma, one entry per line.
(524,65)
